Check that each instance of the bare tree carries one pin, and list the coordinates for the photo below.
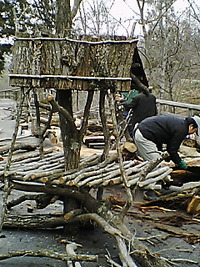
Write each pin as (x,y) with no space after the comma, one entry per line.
(169,52)
(95,18)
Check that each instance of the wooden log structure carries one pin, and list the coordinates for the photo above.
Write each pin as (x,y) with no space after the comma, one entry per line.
(50,170)
(28,167)
(82,64)
(88,64)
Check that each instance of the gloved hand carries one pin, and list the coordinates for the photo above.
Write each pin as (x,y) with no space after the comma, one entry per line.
(183,165)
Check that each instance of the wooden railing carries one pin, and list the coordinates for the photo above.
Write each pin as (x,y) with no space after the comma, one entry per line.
(164,106)
(9,93)
(178,108)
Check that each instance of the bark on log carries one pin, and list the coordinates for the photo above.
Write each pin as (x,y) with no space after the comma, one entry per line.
(183,176)
(20,200)
(30,147)
(70,250)
(36,221)
(187,186)
(84,197)
(174,199)
(154,180)
(106,131)
(48,254)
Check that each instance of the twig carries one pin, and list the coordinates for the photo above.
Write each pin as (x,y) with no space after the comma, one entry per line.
(70,250)
(38,122)
(109,260)
(184,260)
(6,189)
(148,238)
(123,174)
(46,253)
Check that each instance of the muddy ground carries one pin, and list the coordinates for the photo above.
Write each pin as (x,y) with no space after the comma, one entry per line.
(95,241)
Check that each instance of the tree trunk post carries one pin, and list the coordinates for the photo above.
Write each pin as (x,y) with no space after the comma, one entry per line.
(71,148)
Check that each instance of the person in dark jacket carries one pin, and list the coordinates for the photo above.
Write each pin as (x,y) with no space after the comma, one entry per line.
(153,132)
(142,105)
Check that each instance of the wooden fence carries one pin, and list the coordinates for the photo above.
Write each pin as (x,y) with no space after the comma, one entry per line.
(164,106)
(9,93)
(180,109)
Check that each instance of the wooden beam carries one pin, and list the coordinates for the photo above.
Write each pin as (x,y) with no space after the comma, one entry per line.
(68,77)
(177,104)
(76,41)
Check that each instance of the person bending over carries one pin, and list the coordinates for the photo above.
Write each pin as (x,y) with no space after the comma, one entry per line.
(153,132)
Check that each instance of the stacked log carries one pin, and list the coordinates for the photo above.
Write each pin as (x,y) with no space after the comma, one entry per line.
(29,167)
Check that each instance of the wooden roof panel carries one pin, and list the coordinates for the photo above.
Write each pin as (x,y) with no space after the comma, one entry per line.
(66,61)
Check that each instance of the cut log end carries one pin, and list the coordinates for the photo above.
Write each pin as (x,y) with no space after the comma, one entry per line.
(50,98)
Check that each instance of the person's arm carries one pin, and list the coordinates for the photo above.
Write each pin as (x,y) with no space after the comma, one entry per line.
(173,147)
(156,109)
(133,104)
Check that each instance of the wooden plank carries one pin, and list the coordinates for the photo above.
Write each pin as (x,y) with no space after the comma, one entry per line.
(121,79)
(178,104)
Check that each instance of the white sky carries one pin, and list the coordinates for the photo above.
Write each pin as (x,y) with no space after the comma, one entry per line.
(126,9)
(123,7)
(127,12)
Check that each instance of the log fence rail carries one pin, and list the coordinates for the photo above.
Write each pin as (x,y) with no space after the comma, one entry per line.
(164,106)
(178,108)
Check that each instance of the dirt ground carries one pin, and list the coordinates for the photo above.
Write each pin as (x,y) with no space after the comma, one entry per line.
(95,241)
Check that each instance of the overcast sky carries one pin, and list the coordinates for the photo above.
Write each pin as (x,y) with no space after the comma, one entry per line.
(125,7)
(128,9)
(127,12)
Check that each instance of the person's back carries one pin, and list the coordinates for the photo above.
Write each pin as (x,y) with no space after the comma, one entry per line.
(143,106)
(153,132)
(164,130)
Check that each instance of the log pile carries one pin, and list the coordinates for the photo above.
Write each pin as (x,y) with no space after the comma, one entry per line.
(28,167)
